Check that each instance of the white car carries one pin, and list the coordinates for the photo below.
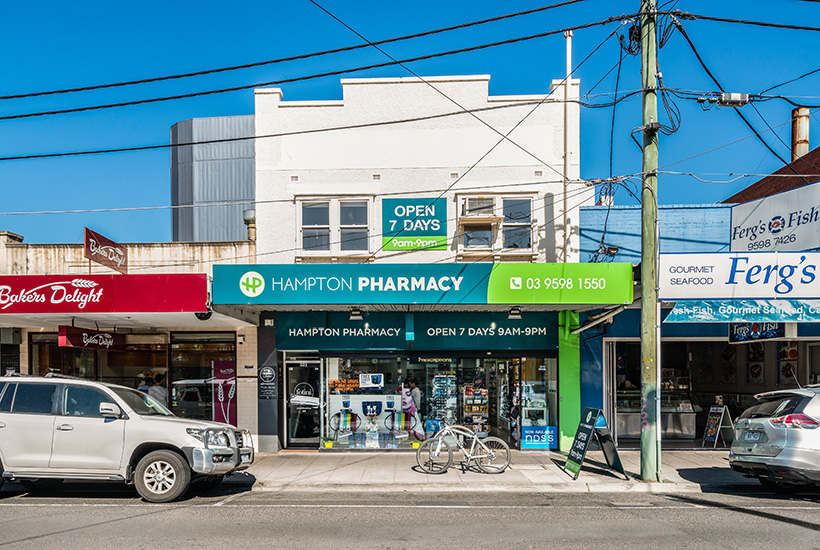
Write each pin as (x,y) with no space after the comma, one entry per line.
(58,428)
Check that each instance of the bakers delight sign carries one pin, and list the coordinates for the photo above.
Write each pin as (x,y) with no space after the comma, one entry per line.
(90,339)
(169,293)
(105,251)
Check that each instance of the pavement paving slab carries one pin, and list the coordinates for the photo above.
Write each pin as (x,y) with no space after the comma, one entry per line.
(684,471)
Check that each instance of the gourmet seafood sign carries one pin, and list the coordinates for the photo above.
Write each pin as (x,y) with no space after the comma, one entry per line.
(747,276)
(105,251)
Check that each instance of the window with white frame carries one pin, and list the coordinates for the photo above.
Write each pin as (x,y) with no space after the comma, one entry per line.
(496,222)
(335,225)
(316,225)
(516,229)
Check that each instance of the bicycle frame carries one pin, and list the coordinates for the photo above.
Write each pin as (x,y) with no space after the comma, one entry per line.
(457,430)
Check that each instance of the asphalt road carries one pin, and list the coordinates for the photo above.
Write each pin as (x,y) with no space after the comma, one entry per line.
(113,517)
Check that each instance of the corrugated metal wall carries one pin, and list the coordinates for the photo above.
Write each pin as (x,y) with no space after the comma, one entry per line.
(212,173)
(684,228)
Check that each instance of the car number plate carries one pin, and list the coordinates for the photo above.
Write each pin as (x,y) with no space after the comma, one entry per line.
(751,436)
(245,459)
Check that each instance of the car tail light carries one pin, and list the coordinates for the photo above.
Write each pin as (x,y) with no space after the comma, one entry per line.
(795,421)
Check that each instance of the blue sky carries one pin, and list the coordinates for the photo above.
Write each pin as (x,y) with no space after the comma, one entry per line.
(56,45)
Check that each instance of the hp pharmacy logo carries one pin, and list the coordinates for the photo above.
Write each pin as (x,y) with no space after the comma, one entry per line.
(251,284)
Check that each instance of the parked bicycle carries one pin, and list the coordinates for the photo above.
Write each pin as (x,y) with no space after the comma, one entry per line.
(435,455)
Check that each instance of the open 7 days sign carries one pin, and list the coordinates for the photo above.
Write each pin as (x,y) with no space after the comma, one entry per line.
(512,283)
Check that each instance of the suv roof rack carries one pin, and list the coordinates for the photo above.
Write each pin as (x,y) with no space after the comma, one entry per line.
(58,375)
(16,374)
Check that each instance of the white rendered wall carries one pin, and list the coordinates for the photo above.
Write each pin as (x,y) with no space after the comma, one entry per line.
(419,156)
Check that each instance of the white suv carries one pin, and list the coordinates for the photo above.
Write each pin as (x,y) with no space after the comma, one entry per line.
(56,428)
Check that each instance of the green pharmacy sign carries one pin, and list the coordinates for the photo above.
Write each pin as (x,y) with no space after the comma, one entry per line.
(475,283)
(414,224)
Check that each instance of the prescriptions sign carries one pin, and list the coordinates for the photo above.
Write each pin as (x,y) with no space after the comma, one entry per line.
(414,224)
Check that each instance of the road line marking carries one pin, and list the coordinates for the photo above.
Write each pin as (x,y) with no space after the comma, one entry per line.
(229,499)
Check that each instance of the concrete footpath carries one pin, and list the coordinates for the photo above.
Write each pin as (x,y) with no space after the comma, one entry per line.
(529,471)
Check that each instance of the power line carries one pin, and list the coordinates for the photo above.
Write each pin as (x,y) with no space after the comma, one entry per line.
(691,16)
(428,83)
(314,76)
(291,58)
(715,80)
(789,81)
(135,148)
(556,197)
(238,202)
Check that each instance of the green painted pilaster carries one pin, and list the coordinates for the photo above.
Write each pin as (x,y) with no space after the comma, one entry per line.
(569,378)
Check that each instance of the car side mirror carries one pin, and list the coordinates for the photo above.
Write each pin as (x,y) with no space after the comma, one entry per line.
(110,410)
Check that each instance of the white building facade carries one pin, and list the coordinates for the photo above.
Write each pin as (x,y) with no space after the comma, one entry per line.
(496,161)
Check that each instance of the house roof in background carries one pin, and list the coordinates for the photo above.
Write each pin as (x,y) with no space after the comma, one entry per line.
(797,173)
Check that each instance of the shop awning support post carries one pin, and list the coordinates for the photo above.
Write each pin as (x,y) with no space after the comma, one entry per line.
(650,392)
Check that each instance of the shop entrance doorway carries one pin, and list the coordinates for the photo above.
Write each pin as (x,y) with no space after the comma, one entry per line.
(303,381)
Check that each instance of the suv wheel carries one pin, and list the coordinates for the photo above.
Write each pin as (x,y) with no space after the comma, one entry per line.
(162,476)
(41,485)
(1,475)
(781,487)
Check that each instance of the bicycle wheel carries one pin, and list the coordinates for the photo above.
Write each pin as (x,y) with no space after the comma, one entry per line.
(434,456)
(495,458)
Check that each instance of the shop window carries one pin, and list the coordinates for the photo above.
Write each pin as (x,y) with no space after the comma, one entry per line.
(203,376)
(335,226)
(368,405)
(47,356)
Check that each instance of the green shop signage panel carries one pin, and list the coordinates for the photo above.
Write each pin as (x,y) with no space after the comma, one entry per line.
(414,224)
(445,331)
(363,284)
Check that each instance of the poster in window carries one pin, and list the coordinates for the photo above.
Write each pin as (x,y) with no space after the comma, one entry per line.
(754,364)
(787,363)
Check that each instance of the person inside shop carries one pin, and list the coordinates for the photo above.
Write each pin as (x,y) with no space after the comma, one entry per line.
(408,406)
(415,393)
(478,384)
(142,385)
(158,390)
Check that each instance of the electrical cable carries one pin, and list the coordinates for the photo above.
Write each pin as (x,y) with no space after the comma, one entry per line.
(692,16)
(292,58)
(714,79)
(238,202)
(789,81)
(428,83)
(565,82)
(556,198)
(313,76)
(629,96)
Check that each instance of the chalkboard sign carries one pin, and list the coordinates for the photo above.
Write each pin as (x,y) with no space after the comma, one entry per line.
(718,424)
(592,424)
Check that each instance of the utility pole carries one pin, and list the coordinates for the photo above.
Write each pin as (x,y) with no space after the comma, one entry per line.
(567,84)
(650,392)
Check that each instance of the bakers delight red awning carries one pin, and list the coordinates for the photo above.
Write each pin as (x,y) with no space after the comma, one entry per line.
(165,293)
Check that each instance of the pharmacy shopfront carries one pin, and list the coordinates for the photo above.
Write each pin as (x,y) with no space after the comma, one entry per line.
(377,356)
